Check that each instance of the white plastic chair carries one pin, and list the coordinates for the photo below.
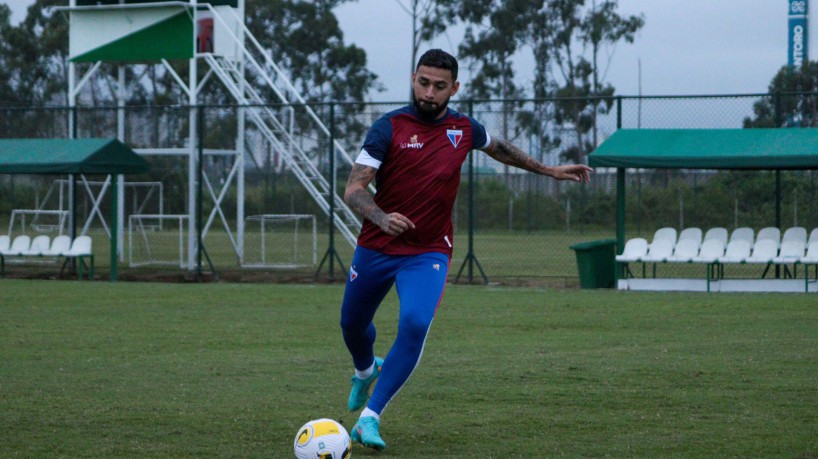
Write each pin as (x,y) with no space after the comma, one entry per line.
(796,233)
(769,233)
(744,233)
(712,249)
(718,233)
(686,250)
(59,246)
(666,233)
(813,237)
(791,252)
(811,258)
(19,245)
(692,233)
(793,244)
(634,250)
(39,245)
(5,244)
(659,250)
(764,251)
(81,249)
(737,251)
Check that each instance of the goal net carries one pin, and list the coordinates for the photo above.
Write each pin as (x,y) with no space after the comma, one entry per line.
(38,220)
(155,239)
(280,241)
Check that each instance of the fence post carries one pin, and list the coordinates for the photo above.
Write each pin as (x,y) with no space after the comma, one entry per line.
(471,258)
(200,248)
(114,225)
(331,255)
(778,212)
(620,192)
(199,178)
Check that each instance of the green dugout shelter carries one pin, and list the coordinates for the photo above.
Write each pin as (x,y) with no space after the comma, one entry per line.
(71,157)
(738,149)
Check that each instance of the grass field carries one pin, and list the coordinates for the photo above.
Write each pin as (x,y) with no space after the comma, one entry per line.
(98,369)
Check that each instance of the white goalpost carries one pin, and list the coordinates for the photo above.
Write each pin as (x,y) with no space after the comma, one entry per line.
(157,239)
(280,241)
(44,221)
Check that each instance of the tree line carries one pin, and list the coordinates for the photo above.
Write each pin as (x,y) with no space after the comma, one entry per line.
(565,39)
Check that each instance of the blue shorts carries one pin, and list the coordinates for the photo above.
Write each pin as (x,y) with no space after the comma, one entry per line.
(420,281)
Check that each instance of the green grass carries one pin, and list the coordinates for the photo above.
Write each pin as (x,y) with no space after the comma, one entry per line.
(98,369)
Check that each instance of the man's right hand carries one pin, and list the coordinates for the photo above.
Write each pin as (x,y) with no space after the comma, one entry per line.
(394,223)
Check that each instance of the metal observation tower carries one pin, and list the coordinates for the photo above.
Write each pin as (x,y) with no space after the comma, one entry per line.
(212,36)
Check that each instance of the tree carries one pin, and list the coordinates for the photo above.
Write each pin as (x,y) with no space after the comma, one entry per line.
(572,31)
(306,40)
(603,25)
(791,101)
(7,94)
(565,38)
(35,54)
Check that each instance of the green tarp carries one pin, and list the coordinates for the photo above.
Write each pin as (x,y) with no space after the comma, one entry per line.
(755,149)
(69,156)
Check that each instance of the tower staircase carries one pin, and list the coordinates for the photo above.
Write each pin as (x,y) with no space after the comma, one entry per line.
(241,77)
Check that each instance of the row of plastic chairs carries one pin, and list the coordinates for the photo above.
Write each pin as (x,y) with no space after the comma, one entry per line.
(743,246)
(43,246)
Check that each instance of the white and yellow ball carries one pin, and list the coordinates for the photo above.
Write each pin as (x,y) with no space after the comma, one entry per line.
(322,439)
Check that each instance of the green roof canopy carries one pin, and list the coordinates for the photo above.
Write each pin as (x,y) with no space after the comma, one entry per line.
(709,149)
(69,156)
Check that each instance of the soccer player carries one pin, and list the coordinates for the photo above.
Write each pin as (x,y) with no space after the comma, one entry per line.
(414,155)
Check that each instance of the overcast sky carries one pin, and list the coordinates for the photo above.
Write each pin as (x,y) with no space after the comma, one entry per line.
(685,47)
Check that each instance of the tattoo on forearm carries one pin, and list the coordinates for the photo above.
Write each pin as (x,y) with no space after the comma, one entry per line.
(361,174)
(360,199)
(362,202)
(507,153)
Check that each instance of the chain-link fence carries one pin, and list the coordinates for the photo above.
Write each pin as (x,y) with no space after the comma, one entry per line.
(264,213)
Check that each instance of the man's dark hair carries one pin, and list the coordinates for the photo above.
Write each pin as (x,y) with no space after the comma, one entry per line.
(439,59)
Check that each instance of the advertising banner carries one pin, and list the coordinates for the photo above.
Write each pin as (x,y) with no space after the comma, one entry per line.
(797,31)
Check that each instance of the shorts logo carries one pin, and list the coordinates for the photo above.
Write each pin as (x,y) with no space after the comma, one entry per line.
(436,266)
(352,273)
(454,135)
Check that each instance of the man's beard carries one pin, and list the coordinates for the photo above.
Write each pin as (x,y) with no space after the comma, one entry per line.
(430,112)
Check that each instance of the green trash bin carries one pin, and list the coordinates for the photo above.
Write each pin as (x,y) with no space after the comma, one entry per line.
(596,261)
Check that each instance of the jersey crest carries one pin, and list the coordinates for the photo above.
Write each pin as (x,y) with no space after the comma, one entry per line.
(455,135)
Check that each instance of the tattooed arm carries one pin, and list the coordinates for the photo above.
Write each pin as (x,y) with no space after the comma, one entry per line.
(505,152)
(361,200)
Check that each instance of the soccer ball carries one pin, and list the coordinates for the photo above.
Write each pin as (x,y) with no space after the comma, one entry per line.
(322,439)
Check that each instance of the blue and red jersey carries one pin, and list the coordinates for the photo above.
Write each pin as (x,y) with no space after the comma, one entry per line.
(418,164)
